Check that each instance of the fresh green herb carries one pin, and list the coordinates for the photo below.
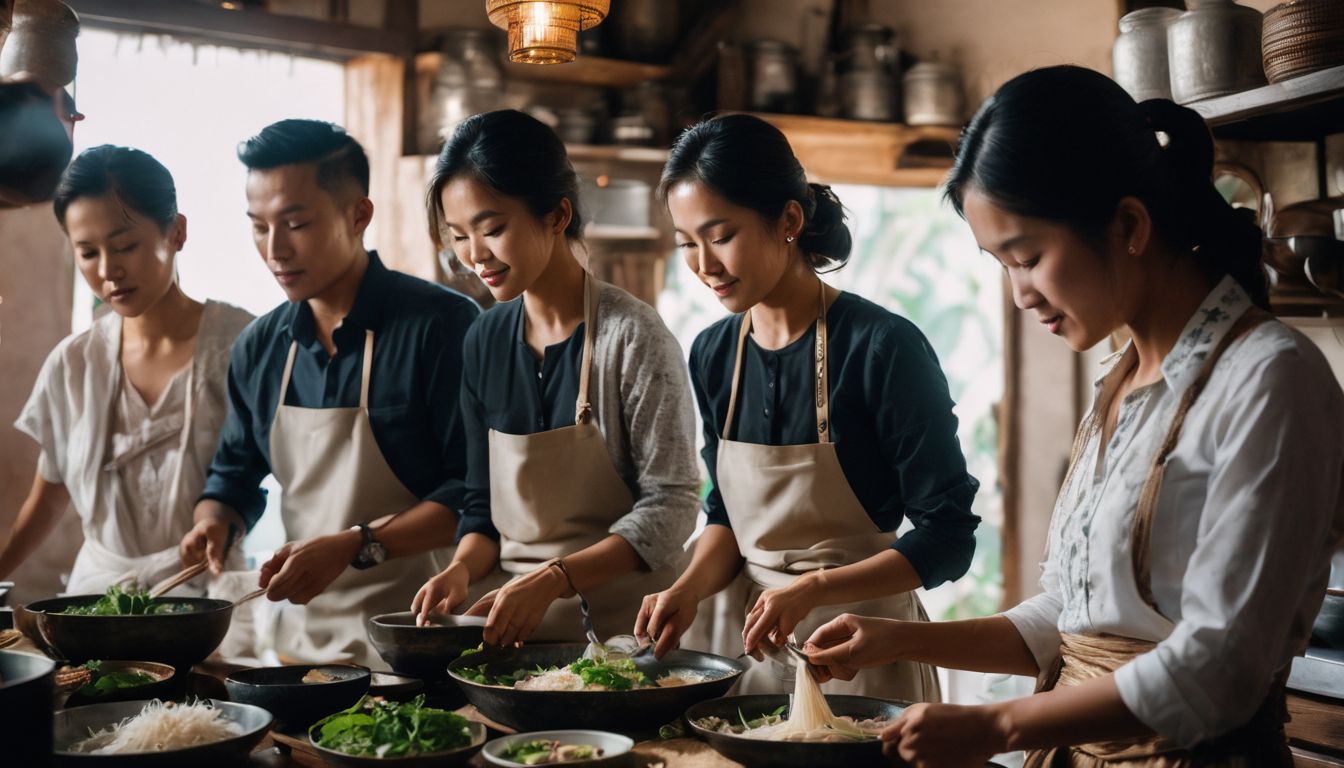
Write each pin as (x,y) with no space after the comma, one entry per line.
(619,675)
(107,682)
(673,730)
(478,675)
(377,728)
(543,752)
(470,651)
(117,602)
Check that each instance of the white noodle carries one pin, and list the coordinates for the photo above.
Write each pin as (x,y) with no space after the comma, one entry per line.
(160,727)
(810,717)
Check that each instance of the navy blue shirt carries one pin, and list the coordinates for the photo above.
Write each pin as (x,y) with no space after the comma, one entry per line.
(418,328)
(891,421)
(507,389)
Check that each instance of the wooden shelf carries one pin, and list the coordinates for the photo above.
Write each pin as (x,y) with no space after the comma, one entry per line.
(591,71)
(1301,109)
(858,152)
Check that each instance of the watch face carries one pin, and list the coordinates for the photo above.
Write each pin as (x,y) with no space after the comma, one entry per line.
(376,551)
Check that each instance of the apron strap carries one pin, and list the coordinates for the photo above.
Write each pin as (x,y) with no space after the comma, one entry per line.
(367,372)
(284,377)
(1142,532)
(742,332)
(583,409)
(822,381)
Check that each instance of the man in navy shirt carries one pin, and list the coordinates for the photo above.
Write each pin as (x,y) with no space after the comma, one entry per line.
(348,394)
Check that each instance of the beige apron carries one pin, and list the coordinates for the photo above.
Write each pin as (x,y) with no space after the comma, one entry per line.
(334,476)
(556,492)
(1260,742)
(792,512)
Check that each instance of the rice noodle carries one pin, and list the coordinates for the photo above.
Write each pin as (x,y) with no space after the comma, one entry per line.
(810,718)
(160,727)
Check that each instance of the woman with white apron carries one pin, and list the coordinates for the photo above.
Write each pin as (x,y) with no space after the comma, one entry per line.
(1190,544)
(580,436)
(126,413)
(347,393)
(827,420)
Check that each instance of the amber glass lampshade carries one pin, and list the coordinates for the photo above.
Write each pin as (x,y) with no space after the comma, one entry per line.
(545,32)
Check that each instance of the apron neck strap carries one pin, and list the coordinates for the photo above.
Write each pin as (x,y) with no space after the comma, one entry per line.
(284,377)
(1141,533)
(583,409)
(367,373)
(822,386)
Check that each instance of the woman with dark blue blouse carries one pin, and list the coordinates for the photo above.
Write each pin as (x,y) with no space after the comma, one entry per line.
(827,420)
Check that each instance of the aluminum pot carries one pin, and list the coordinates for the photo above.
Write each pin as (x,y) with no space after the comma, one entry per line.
(1213,49)
(774,76)
(1140,54)
(933,94)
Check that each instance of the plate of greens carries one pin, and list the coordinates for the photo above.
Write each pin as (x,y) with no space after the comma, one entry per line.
(123,681)
(575,748)
(376,732)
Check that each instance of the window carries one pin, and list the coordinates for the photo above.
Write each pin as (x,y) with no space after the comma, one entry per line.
(189,105)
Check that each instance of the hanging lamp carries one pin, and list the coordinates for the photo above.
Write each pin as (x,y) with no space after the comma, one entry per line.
(545,31)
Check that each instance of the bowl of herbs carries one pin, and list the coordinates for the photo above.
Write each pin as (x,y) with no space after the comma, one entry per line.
(407,734)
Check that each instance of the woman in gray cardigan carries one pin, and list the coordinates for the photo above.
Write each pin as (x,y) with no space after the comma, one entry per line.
(581,474)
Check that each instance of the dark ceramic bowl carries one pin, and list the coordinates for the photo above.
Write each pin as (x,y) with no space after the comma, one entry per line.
(792,754)
(294,703)
(423,652)
(26,689)
(180,639)
(74,725)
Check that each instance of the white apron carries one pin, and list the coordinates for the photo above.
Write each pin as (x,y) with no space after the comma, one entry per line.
(792,511)
(556,492)
(334,476)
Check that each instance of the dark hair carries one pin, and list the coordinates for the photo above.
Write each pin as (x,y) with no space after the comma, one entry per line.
(749,162)
(514,154)
(342,166)
(134,178)
(1067,143)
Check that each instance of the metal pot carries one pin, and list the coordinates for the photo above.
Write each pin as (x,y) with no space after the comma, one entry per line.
(868,48)
(468,82)
(1213,49)
(25,698)
(868,95)
(643,30)
(1140,54)
(618,202)
(933,94)
(774,76)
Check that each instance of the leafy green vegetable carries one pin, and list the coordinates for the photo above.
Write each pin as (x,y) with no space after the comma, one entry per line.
(469,651)
(377,728)
(543,752)
(135,602)
(619,675)
(107,682)
(478,675)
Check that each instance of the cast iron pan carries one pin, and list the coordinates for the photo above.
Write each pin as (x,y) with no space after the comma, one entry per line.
(595,710)
(180,639)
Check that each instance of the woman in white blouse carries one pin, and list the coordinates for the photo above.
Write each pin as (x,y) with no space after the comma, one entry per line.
(1190,544)
(127,413)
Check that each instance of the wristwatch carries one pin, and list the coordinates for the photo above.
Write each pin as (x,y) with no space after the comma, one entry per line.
(371,551)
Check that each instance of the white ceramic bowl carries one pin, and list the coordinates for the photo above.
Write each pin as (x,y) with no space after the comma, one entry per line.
(615,748)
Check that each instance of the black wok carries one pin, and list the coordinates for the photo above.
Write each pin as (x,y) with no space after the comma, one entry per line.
(180,639)
(633,710)
(792,754)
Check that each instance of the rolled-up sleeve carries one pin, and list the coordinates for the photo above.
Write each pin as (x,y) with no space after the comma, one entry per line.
(909,397)
(1037,621)
(1271,515)
(239,465)
(660,430)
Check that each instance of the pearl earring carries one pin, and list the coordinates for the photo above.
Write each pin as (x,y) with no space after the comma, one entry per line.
(788,238)
(1131,250)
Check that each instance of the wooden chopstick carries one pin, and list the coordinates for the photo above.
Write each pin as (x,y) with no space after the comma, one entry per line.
(254,594)
(182,577)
